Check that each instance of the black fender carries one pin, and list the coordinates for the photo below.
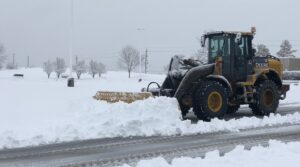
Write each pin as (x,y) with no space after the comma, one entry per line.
(268,74)
(193,76)
(223,81)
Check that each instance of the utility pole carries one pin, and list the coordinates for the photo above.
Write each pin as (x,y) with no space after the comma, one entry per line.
(27,61)
(140,62)
(71,25)
(146,61)
(71,79)
(76,60)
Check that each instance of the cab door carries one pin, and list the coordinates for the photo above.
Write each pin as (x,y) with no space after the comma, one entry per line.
(227,70)
(240,57)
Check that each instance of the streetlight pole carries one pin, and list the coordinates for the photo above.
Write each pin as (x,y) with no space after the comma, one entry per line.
(71,79)
(140,67)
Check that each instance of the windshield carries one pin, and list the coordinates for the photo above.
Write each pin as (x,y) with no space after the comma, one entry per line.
(216,48)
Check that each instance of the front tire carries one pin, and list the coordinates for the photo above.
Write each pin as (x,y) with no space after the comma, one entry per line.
(210,100)
(266,98)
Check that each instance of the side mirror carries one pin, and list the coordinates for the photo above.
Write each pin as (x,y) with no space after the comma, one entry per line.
(202,41)
(238,38)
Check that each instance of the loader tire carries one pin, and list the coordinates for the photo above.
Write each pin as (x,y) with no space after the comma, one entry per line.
(232,109)
(210,100)
(266,98)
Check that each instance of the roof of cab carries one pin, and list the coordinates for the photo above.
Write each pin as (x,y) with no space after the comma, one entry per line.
(228,32)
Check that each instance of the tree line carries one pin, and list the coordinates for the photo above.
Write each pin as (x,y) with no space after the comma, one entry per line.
(285,50)
(130,58)
(59,67)
(9,65)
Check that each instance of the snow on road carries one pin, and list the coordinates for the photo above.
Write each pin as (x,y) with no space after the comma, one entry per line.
(277,154)
(36,110)
(293,95)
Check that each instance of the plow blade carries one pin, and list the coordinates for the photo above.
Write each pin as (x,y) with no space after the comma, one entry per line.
(127,97)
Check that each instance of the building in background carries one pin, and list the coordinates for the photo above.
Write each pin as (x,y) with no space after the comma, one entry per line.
(291,64)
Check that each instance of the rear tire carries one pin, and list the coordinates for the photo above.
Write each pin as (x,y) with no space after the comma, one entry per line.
(210,100)
(266,98)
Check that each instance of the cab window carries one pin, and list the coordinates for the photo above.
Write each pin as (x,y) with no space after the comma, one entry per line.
(244,46)
(216,48)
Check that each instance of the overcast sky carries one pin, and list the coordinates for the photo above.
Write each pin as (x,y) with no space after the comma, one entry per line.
(40,28)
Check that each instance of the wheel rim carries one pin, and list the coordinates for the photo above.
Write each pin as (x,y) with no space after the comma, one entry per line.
(215,101)
(268,98)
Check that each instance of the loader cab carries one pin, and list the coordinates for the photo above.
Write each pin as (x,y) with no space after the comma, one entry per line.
(235,48)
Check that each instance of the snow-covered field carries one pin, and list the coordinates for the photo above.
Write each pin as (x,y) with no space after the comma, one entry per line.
(277,154)
(36,110)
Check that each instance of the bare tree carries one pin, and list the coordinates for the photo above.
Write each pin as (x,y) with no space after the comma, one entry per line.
(202,56)
(59,66)
(2,60)
(202,53)
(48,68)
(93,68)
(11,66)
(129,59)
(2,57)
(286,49)
(101,69)
(79,68)
(262,50)
(1,49)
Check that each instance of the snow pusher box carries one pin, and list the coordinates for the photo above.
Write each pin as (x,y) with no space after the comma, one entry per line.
(127,97)
(232,76)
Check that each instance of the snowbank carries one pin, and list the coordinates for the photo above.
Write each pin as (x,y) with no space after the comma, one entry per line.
(276,155)
(92,119)
(36,110)
(292,95)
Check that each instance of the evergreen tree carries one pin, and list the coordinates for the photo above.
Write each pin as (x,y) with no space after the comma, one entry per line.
(286,49)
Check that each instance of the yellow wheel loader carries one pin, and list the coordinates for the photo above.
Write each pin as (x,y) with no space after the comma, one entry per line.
(232,76)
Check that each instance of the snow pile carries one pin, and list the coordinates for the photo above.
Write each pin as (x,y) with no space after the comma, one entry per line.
(36,110)
(96,119)
(88,119)
(292,96)
(276,155)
